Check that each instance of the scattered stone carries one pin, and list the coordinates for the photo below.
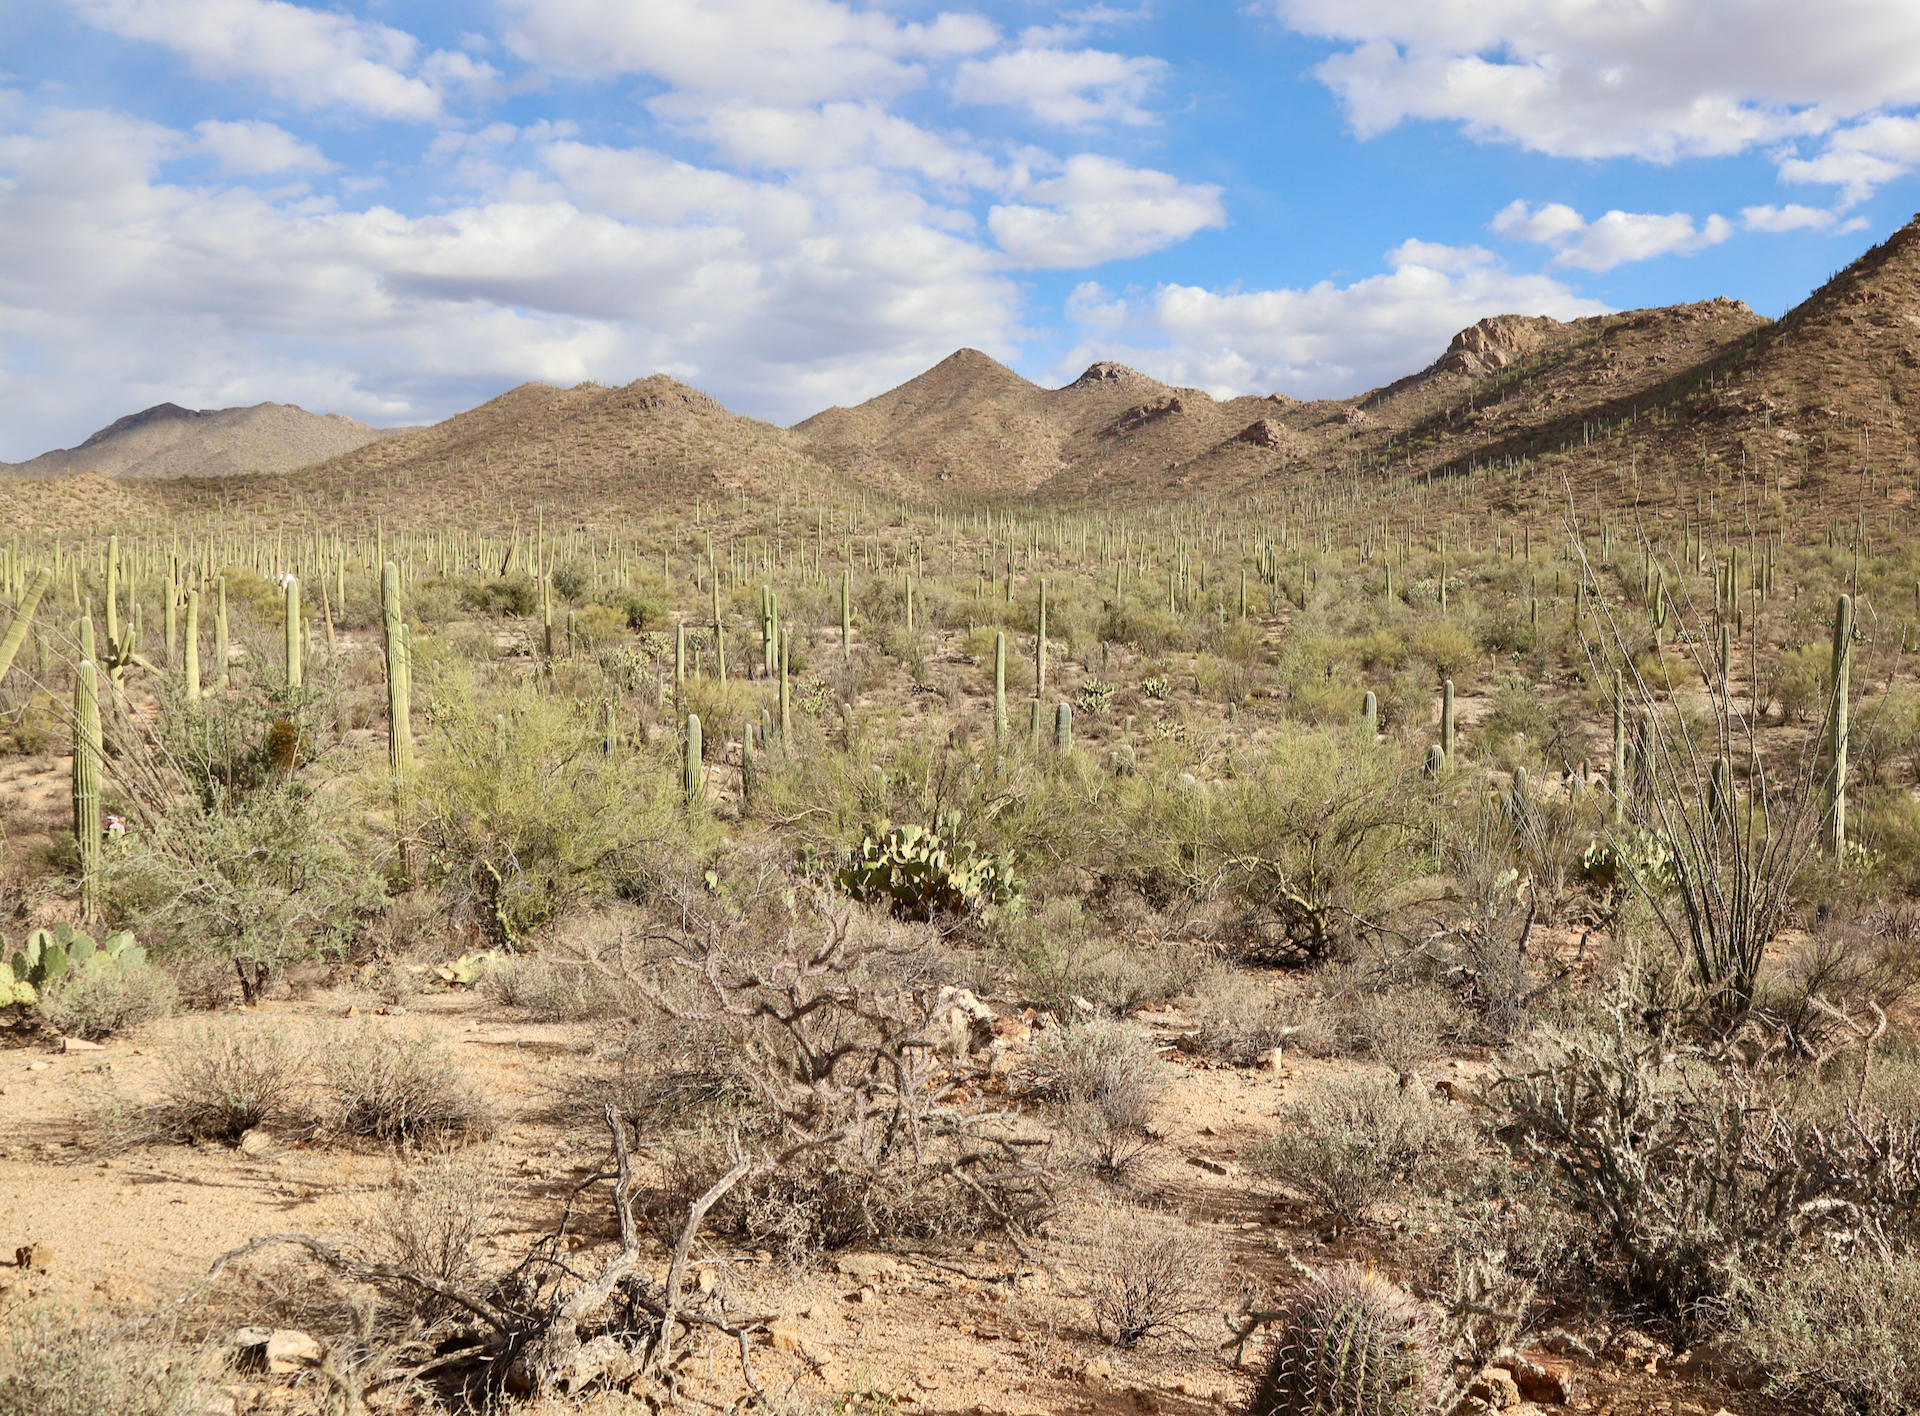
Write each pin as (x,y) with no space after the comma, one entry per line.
(353,1009)
(258,1143)
(1719,1361)
(870,1267)
(863,1294)
(80,1044)
(1212,1167)
(1145,1402)
(34,1258)
(1497,1387)
(1541,1377)
(249,1346)
(1562,1343)
(289,1351)
(784,1335)
(1095,1372)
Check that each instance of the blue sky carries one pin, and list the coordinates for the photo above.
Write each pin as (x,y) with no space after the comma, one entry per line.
(396,210)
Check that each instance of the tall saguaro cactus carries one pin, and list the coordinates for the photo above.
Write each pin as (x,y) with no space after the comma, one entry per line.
(193,645)
(846,613)
(399,676)
(293,632)
(693,777)
(1617,769)
(1838,720)
(1446,722)
(1040,644)
(1000,686)
(23,620)
(88,757)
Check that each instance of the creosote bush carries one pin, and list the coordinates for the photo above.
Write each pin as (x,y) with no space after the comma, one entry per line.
(401,1089)
(1150,1276)
(220,1082)
(1107,1083)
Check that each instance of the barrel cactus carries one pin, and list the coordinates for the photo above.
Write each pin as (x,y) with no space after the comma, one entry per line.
(1349,1343)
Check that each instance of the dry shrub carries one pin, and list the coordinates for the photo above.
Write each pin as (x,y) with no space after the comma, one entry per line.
(1359,1140)
(220,1083)
(1836,1333)
(95,1003)
(559,990)
(1106,1083)
(1403,1026)
(402,1089)
(1240,1020)
(430,1220)
(1150,1276)
(51,1365)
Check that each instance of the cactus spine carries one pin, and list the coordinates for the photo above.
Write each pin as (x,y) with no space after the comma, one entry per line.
(88,755)
(293,632)
(693,778)
(1842,677)
(192,645)
(1000,686)
(22,621)
(1349,1343)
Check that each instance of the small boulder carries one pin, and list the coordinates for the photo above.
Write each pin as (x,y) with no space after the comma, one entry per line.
(869,1268)
(80,1044)
(288,1351)
(1497,1388)
(1095,1372)
(258,1144)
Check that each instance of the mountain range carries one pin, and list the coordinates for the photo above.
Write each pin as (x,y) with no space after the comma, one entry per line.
(1827,390)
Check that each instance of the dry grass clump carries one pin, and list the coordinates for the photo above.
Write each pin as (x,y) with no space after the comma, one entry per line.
(1359,1140)
(402,1090)
(1106,1084)
(557,990)
(51,1365)
(1150,1276)
(431,1219)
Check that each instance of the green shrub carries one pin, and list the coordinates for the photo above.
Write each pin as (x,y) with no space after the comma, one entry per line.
(1107,1083)
(1834,1332)
(515,597)
(54,1365)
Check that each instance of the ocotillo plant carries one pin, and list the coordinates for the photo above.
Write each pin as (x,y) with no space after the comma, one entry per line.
(1000,686)
(88,757)
(22,621)
(193,645)
(293,632)
(1838,718)
(693,777)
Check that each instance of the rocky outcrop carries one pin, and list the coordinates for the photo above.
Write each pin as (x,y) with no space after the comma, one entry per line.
(1263,433)
(1138,417)
(1496,342)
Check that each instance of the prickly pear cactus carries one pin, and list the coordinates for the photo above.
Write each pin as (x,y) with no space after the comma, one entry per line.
(468,969)
(924,873)
(1349,1343)
(49,956)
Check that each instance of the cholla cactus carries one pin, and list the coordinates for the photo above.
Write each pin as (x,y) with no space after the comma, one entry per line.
(1349,1343)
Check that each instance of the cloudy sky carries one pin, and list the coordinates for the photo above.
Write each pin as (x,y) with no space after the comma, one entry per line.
(396,210)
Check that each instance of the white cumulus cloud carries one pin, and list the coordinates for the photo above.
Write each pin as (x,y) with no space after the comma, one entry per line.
(252,148)
(1660,81)
(1609,240)
(1098,210)
(315,58)
(1069,88)
(1323,341)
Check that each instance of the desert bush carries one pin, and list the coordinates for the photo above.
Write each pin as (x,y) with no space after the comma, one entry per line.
(218,1084)
(53,1365)
(560,990)
(1834,1333)
(1689,1171)
(523,812)
(1106,1082)
(1150,1276)
(513,596)
(1311,841)
(430,1220)
(95,1003)
(1061,953)
(1242,1021)
(1402,1025)
(1357,1141)
(401,1089)
(923,873)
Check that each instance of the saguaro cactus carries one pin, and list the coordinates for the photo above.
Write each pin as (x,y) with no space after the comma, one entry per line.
(1000,686)
(846,614)
(23,620)
(1063,727)
(293,631)
(1369,716)
(1446,722)
(193,645)
(786,690)
(693,777)
(399,676)
(220,635)
(1838,719)
(1040,643)
(88,757)
(1617,769)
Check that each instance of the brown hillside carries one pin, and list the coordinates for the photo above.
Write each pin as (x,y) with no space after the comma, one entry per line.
(170,441)
(650,444)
